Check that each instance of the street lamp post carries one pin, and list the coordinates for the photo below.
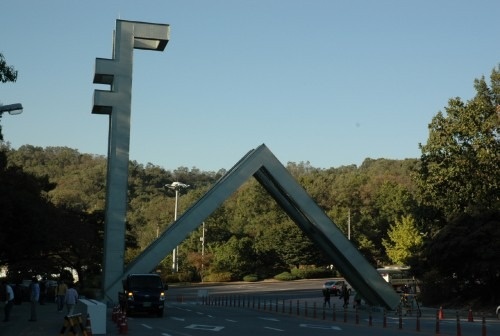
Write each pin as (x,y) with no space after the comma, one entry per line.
(11,109)
(176,186)
(202,239)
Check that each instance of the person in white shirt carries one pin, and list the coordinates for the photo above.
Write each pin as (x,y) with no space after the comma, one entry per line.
(71,299)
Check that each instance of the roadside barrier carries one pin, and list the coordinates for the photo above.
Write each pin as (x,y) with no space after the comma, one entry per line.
(363,314)
(88,326)
(75,325)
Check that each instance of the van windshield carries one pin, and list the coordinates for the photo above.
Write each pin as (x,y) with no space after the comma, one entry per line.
(151,282)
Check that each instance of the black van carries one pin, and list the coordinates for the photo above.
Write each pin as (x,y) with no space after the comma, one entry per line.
(143,293)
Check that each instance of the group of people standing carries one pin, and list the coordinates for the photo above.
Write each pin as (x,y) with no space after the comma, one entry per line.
(65,295)
(344,294)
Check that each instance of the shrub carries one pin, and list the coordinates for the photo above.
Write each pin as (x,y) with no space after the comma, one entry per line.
(311,273)
(218,277)
(285,276)
(172,278)
(251,278)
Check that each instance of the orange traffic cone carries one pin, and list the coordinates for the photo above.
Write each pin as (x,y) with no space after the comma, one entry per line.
(470,318)
(441,314)
(88,326)
(124,326)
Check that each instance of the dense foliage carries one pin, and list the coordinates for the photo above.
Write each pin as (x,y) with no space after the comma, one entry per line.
(248,234)
(459,184)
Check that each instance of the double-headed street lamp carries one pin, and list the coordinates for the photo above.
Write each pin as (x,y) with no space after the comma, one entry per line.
(176,186)
(11,109)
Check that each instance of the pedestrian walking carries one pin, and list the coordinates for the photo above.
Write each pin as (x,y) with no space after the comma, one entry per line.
(60,293)
(345,295)
(326,296)
(71,299)
(9,300)
(357,300)
(43,291)
(34,297)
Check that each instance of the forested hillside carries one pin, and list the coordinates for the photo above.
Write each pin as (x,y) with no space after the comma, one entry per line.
(249,226)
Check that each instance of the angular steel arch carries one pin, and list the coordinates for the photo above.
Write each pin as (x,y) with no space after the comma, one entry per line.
(294,200)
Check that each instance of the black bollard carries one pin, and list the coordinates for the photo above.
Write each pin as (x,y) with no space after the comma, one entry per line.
(400,312)
(459,329)
(437,322)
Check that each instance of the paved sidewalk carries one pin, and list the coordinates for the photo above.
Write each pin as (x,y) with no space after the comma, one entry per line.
(49,321)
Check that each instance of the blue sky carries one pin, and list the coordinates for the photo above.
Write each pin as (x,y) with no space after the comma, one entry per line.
(329,82)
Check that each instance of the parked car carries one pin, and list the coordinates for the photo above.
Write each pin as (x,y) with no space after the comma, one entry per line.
(498,312)
(335,286)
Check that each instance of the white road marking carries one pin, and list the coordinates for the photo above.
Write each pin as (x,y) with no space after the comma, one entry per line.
(269,319)
(275,329)
(231,320)
(177,318)
(204,327)
(147,326)
(317,326)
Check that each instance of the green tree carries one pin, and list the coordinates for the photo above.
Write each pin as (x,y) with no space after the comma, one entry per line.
(404,240)
(464,254)
(237,256)
(459,183)
(460,163)
(7,73)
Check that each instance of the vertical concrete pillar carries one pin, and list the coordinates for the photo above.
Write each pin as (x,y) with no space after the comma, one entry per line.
(116,102)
